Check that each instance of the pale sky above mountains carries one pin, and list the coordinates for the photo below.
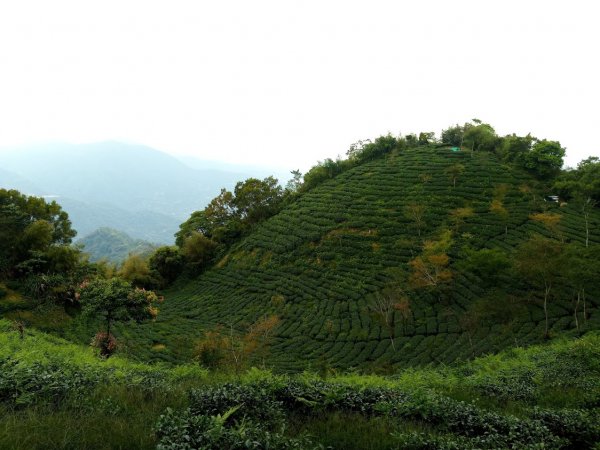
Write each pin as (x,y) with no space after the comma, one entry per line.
(286,83)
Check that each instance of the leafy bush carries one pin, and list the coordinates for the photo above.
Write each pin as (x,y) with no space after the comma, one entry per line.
(23,384)
(581,428)
(424,441)
(254,402)
(49,376)
(167,262)
(512,386)
(186,430)
(319,396)
(52,288)
(487,429)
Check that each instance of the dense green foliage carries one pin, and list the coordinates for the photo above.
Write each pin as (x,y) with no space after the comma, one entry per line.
(583,183)
(34,236)
(541,157)
(232,214)
(358,153)
(136,270)
(167,262)
(115,301)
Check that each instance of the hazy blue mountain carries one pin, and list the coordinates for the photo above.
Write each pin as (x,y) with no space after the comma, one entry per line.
(148,225)
(113,245)
(128,176)
(133,188)
(245,170)
(11,180)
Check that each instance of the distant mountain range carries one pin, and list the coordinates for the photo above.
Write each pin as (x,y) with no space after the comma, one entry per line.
(132,188)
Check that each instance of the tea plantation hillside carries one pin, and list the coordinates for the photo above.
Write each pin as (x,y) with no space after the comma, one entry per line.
(325,258)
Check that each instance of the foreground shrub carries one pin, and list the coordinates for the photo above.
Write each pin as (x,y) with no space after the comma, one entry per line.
(252,402)
(106,343)
(319,396)
(580,428)
(34,383)
(484,428)
(185,431)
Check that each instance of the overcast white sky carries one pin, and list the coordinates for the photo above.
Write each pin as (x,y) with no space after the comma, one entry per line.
(286,83)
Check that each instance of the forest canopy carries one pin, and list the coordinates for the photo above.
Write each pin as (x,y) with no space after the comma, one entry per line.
(35,235)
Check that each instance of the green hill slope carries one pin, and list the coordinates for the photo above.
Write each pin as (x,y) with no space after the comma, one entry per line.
(113,245)
(321,262)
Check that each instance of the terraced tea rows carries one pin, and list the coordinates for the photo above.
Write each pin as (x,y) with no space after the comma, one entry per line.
(319,263)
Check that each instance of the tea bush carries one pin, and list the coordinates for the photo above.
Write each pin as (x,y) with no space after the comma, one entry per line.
(185,430)
(254,402)
(580,428)
(30,383)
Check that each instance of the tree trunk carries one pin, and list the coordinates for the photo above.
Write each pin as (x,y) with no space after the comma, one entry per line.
(584,306)
(576,308)
(587,229)
(393,330)
(546,293)
(471,343)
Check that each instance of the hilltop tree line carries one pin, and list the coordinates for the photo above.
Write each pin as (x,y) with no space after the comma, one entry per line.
(542,158)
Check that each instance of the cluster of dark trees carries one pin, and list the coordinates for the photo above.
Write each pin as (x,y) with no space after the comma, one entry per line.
(582,183)
(232,214)
(551,268)
(34,236)
(543,158)
(37,258)
(208,232)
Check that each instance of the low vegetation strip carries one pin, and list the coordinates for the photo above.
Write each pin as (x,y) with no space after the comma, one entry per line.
(544,396)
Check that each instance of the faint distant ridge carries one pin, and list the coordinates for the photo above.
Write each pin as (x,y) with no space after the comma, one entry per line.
(283,175)
(133,188)
(11,180)
(113,245)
